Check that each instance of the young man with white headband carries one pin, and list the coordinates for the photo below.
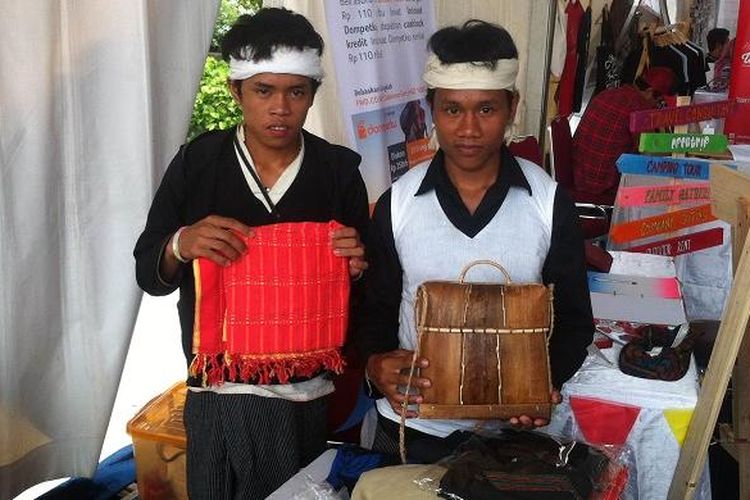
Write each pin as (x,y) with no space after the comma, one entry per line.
(246,438)
(474,201)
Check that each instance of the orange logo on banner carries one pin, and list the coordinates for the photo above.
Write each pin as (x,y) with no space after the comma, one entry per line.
(418,151)
(661,224)
(361,130)
(365,130)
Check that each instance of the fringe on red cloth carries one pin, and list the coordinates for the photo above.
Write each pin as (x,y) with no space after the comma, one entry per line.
(215,369)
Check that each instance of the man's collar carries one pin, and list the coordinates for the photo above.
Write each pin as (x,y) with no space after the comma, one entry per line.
(510,173)
(240,133)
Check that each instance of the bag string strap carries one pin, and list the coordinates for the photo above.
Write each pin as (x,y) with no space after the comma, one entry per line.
(256,179)
(420,316)
(462,275)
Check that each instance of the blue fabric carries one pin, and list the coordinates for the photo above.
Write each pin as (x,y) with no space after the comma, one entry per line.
(112,475)
(361,407)
(351,462)
(115,472)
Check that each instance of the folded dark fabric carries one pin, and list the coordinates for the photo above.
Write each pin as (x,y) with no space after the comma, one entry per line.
(522,465)
(670,364)
(426,449)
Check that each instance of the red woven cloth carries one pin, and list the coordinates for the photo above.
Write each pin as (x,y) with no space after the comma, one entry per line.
(280,311)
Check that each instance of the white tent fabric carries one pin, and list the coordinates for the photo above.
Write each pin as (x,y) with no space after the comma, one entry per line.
(530,37)
(95,98)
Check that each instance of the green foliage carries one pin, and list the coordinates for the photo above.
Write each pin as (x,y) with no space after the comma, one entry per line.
(214,107)
(229,11)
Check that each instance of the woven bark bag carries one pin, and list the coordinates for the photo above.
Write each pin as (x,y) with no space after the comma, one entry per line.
(487,347)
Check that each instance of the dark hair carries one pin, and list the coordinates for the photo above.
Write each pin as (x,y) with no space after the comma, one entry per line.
(268,29)
(716,37)
(476,41)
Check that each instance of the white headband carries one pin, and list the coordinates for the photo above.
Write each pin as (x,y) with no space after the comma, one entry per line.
(305,62)
(471,75)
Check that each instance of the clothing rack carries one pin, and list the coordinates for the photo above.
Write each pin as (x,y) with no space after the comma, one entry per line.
(620,39)
(670,46)
(670,27)
(668,35)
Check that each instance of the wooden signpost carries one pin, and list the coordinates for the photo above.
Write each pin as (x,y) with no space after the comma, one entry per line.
(689,187)
(649,196)
(730,195)
(661,224)
(682,143)
(681,245)
(642,121)
(730,201)
(664,166)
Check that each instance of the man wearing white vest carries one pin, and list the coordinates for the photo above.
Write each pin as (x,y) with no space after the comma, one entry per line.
(473,201)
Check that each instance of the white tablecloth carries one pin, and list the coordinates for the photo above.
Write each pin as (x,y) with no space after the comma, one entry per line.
(302,485)
(603,405)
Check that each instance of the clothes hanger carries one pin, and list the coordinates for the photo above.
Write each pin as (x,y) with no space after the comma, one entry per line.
(672,34)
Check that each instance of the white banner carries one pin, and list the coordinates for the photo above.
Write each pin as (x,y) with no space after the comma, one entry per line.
(379,49)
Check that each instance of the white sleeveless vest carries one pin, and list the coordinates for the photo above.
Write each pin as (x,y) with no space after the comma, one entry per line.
(431,248)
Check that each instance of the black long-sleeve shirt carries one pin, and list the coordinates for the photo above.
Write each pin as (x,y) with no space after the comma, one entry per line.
(205,178)
(564,266)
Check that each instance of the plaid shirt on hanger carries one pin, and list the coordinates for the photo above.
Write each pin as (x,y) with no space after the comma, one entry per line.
(602,136)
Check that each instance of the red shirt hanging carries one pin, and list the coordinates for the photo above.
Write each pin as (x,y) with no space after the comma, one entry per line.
(566,88)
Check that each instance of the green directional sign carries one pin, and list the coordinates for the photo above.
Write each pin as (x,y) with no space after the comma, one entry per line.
(682,143)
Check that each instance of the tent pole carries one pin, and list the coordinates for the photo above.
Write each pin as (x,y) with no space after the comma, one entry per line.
(552,17)
(665,12)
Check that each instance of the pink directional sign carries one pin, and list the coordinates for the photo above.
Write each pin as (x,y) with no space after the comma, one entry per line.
(641,121)
(641,196)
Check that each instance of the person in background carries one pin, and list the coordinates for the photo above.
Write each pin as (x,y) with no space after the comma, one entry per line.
(720,49)
(245,439)
(604,131)
(474,201)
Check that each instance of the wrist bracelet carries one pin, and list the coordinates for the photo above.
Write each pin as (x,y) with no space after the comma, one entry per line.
(176,246)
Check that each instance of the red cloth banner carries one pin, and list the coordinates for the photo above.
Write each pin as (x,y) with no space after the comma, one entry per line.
(604,422)
(737,124)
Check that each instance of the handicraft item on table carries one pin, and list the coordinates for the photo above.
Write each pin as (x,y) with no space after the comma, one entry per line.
(487,346)
(278,312)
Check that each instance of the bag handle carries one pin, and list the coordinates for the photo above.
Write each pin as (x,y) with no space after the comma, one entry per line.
(494,264)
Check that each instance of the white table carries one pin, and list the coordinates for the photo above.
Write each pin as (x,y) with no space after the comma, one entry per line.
(299,485)
(658,413)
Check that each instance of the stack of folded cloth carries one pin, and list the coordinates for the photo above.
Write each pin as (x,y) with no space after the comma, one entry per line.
(523,465)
